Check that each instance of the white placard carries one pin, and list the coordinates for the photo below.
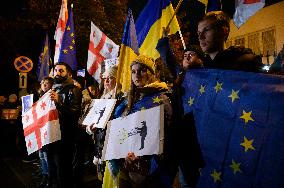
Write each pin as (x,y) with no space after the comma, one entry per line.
(99,112)
(141,132)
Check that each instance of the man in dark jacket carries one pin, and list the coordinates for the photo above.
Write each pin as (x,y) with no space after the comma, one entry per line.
(213,31)
(67,98)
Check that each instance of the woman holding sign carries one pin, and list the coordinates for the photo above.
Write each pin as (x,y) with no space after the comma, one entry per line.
(146,92)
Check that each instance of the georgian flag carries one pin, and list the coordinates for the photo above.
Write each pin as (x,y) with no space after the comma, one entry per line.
(60,29)
(41,124)
(100,48)
(245,9)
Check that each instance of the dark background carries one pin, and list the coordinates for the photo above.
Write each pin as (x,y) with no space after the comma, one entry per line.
(23,24)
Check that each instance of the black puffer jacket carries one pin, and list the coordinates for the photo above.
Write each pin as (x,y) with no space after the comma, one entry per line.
(69,108)
(235,58)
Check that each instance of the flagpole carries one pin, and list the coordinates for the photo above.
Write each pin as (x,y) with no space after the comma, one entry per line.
(180,34)
(175,12)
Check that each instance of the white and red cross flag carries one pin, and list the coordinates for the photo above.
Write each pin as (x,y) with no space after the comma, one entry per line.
(100,48)
(60,29)
(245,9)
(41,124)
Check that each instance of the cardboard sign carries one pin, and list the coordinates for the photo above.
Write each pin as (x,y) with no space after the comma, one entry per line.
(141,132)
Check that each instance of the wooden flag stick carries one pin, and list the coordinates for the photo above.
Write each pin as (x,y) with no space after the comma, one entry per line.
(175,12)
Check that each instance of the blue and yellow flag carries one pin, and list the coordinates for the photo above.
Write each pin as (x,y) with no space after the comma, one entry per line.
(68,48)
(149,25)
(239,122)
(128,52)
(44,60)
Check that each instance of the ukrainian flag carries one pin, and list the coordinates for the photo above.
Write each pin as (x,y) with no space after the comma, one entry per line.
(149,25)
(128,52)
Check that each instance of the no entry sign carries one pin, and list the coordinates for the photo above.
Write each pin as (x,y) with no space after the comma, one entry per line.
(23,64)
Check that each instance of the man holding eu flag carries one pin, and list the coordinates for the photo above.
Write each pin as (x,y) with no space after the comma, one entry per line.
(234,112)
(213,31)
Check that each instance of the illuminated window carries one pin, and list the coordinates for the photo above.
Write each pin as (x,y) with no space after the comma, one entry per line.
(253,43)
(268,42)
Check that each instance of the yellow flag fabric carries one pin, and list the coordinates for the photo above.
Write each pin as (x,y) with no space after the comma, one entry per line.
(127,55)
(149,25)
(108,181)
(128,52)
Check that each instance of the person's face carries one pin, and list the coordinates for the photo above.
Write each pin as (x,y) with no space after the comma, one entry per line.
(139,75)
(210,37)
(60,73)
(109,82)
(45,85)
(93,90)
(190,58)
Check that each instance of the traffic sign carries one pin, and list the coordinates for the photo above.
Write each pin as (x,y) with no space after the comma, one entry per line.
(23,80)
(23,64)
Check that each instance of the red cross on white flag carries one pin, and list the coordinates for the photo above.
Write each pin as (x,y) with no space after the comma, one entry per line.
(60,28)
(41,124)
(245,9)
(100,48)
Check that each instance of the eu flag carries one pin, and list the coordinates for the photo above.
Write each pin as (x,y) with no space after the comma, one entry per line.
(44,60)
(68,48)
(239,121)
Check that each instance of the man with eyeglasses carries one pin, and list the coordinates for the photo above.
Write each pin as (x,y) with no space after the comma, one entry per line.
(213,31)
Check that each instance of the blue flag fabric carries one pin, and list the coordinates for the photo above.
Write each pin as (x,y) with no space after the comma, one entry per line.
(214,5)
(129,33)
(68,48)
(149,25)
(240,127)
(44,60)
(148,101)
(27,102)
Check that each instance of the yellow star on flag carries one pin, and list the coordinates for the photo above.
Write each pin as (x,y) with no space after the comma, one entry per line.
(190,101)
(235,167)
(65,51)
(71,47)
(218,87)
(247,116)
(72,35)
(157,99)
(234,95)
(247,144)
(201,89)
(142,108)
(73,41)
(216,176)
(68,28)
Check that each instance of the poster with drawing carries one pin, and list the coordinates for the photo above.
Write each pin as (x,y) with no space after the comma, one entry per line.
(141,132)
(98,112)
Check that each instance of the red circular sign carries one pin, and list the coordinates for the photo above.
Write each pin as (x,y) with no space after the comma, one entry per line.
(23,64)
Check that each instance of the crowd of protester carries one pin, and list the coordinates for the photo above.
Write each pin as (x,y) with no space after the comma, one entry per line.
(62,162)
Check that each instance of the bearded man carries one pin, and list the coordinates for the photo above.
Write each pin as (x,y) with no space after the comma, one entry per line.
(67,98)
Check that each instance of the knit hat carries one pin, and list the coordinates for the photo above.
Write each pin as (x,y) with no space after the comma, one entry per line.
(112,71)
(147,61)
